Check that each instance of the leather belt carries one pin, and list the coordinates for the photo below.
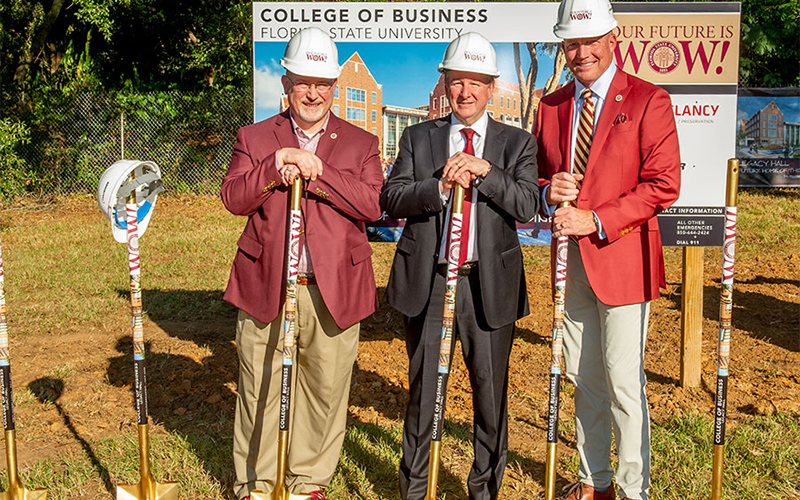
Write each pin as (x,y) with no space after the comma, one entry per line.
(465,270)
(306,279)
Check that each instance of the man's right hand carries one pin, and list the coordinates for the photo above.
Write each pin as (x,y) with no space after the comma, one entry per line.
(563,187)
(293,161)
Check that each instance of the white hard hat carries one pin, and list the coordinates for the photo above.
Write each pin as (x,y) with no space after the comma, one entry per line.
(584,19)
(115,186)
(311,52)
(470,52)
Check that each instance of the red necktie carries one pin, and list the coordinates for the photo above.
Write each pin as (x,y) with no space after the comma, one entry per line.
(467,207)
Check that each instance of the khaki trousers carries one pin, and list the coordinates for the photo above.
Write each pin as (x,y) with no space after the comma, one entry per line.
(604,357)
(322,369)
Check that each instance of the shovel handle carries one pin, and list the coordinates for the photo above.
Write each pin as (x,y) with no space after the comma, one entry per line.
(5,357)
(289,333)
(446,343)
(556,353)
(724,340)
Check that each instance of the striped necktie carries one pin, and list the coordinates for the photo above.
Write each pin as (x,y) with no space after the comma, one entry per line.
(584,134)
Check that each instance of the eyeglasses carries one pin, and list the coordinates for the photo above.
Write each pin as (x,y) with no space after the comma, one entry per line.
(322,87)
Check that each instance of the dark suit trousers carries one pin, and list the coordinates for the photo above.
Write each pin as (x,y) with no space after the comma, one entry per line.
(486,353)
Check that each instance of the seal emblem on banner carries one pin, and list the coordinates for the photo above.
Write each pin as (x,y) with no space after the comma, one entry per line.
(663,57)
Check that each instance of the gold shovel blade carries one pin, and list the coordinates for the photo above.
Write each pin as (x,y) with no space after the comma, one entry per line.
(159,491)
(23,494)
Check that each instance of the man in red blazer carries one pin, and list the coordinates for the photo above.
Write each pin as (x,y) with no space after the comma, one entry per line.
(616,160)
(341,167)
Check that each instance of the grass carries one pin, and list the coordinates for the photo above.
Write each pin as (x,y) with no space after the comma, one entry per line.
(770,220)
(762,459)
(70,277)
(762,462)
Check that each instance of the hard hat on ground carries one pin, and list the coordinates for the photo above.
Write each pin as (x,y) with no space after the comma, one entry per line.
(115,187)
(470,52)
(584,19)
(311,52)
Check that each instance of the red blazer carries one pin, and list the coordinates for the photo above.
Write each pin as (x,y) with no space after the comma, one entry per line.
(632,174)
(335,207)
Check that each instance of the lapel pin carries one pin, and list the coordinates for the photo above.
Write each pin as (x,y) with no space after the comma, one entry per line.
(333,135)
(618,98)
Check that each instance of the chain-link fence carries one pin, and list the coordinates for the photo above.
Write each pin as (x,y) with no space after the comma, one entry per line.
(189,135)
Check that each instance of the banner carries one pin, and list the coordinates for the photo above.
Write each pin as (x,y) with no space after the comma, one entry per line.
(768,137)
(390,53)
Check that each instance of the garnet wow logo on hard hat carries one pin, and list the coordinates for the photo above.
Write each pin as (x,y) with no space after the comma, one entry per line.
(580,15)
(316,56)
(474,56)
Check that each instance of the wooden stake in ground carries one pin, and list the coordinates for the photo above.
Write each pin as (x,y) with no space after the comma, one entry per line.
(446,343)
(724,345)
(147,488)
(289,332)
(16,491)
(556,353)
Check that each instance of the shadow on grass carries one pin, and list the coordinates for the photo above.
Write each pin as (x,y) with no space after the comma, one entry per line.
(49,390)
(533,338)
(193,396)
(764,316)
(188,397)
(373,452)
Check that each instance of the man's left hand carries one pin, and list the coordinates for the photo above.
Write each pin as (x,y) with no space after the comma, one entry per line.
(569,221)
(463,168)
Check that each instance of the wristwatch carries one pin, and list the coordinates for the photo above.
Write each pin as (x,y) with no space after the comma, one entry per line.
(596,221)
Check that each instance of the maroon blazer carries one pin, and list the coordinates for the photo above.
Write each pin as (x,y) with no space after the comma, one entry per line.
(335,208)
(632,174)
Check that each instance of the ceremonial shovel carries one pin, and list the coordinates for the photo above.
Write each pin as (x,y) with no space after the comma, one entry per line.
(289,331)
(724,345)
(16,491)
(556,351)
(448,317)
(147,488)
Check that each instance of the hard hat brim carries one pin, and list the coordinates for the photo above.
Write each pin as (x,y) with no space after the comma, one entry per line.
(303,71)
(567,33)
(469,69)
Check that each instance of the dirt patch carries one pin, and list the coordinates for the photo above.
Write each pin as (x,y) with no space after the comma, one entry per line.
(192,363)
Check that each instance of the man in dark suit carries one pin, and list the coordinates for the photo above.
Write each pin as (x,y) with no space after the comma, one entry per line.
(341,167)
(608,145)
(496,164)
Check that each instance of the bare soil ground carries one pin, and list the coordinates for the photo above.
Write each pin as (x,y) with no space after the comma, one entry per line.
(192,365)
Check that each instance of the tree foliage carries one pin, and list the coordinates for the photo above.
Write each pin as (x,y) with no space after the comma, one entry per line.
(140,45)
(135,45)
(770,47)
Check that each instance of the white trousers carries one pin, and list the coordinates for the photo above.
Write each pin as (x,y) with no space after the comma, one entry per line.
(604,357)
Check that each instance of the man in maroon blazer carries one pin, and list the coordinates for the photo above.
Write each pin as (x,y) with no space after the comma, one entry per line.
(609,146)
(341,167)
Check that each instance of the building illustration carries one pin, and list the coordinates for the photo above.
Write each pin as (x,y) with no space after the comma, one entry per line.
(765,129)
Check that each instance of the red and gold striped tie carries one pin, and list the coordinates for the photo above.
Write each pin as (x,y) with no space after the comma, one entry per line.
(584,134)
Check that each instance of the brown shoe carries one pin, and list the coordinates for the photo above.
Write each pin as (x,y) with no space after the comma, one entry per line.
(582,491)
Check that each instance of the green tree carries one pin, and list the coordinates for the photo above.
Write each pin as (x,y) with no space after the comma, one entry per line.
(75,45)
(770,46)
